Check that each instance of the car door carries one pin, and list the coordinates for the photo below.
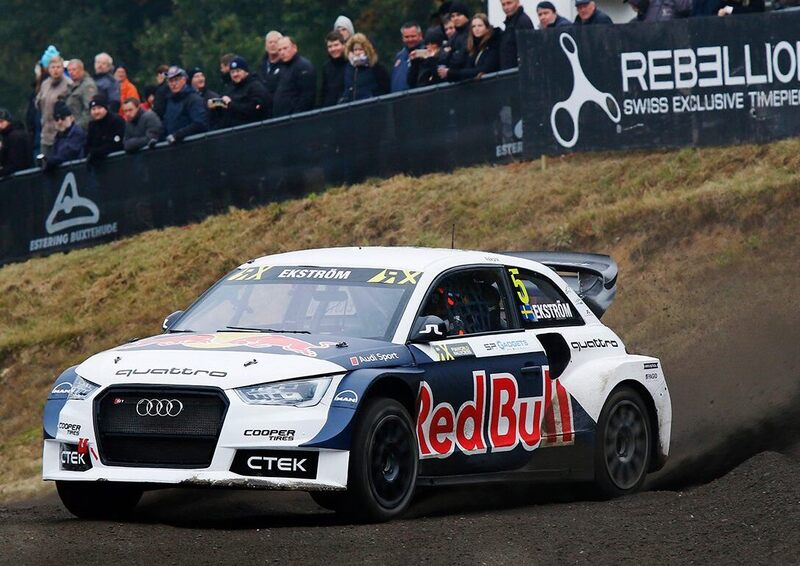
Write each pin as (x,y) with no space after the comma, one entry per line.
(481,401)
(548,314)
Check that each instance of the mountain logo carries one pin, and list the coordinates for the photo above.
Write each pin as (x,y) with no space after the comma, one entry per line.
(582,92)
(71,209)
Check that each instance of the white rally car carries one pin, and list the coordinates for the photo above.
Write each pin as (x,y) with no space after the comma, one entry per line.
(359,373)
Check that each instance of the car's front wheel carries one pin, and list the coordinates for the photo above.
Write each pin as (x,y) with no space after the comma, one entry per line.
(383,462)
(622,447)
(98,500)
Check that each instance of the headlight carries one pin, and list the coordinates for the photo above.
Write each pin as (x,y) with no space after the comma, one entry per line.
(81,389)
(297,393)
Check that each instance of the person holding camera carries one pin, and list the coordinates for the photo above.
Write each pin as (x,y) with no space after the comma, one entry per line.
(364,77)
(424,65)
(245,99)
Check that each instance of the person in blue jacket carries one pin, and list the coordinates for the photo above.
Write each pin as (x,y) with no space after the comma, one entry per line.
(70,141)
(185,113)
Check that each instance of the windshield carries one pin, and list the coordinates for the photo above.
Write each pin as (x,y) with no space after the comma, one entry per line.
(357,302)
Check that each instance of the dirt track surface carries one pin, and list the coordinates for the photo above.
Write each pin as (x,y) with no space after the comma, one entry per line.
(749,516)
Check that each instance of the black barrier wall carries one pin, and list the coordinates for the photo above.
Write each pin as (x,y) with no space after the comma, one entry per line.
(417,132)
(701,81)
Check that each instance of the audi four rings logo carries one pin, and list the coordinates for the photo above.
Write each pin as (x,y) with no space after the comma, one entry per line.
(159,407)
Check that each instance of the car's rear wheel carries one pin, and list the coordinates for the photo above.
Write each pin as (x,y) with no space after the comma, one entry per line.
(383,462)
(98,500)
(622,447)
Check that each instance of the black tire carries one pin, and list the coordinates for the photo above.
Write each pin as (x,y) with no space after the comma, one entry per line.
(99,500)
(383,462)
(622,444)
(331,500)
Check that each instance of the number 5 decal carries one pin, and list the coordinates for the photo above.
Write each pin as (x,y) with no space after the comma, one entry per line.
(522,292)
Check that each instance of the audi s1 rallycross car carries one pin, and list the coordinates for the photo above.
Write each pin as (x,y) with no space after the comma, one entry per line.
(357,374)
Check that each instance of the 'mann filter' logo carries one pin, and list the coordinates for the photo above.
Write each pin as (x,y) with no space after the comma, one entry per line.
(71,210)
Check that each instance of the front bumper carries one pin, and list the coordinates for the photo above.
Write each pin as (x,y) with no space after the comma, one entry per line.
(266,460)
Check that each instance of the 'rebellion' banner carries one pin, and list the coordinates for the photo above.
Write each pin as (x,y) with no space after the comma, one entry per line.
(700,81)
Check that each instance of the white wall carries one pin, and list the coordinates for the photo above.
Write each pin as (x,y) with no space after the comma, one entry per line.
(619,12)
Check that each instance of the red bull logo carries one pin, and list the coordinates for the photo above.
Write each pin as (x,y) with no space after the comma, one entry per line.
(223,340)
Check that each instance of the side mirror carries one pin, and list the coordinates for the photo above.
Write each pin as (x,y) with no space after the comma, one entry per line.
(170,321)
(428,329)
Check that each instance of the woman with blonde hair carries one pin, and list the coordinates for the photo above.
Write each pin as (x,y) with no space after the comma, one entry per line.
(483,46)
(364,77)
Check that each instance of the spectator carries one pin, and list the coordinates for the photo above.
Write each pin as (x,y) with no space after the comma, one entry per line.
(449,29)
(185,113)
(211,99)
(333,70)
(142,127)
(246,99)
(737,7)
(548,17)
(660,10)
(590,14)
(225,69)
(126,88)
(106,130)
(80,93)
(460,16)
(15,147)
(364,77)
(33,116)
(422,71)
(70,142)
(270,62)
(48,55)
(197,79)
(483,46)
(149,98)
(55,88)
(159,104)
(516,19)
(298,81)
(344,26)
(106,83)
(412,40)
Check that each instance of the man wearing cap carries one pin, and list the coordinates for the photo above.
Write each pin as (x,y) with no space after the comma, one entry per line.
(270,65)
(185,113)
(298,81)
(590,14)
(246,99)
(460,15)
(411,34)
(142,127)
(80,93)
(344,26)
(53,89)
(422,70)
(70,140)
(516,19)
(126,88)
(106,130)
(15,148)
(106,83)
(548,17)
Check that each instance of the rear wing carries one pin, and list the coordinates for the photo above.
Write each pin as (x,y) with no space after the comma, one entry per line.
(592,276)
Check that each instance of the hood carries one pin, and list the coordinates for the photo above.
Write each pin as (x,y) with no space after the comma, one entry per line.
(235,359)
